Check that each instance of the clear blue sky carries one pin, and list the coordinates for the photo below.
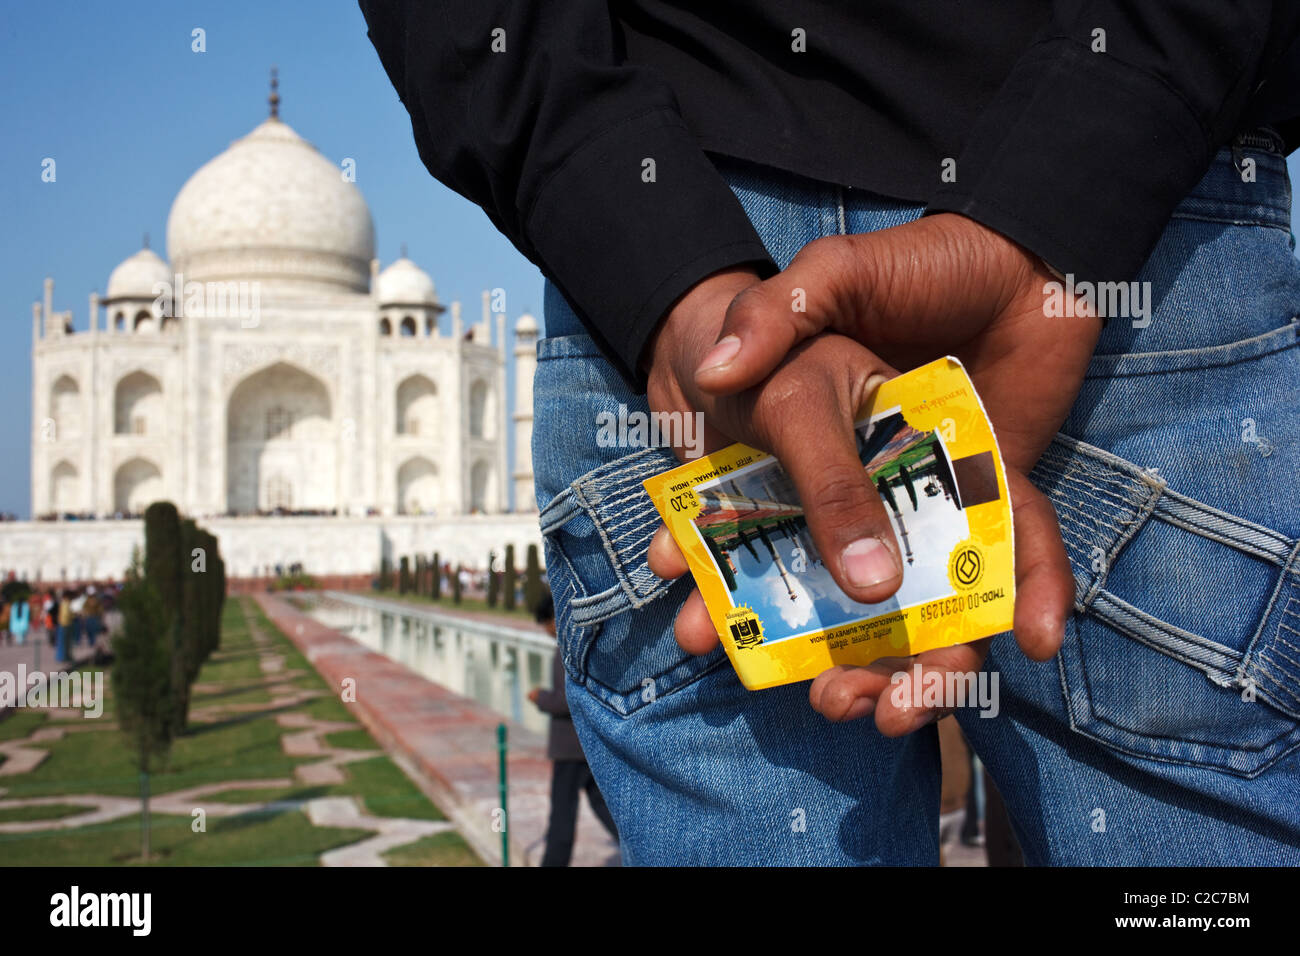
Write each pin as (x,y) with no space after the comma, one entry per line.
(113,92)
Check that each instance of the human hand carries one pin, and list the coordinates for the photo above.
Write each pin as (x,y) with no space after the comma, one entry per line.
(804,413)
(940,285)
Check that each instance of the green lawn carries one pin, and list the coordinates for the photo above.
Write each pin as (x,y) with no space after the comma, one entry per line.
(243,745)
(327,708)
(20,722)
(49,811)
(384,791)
(286,838)
(233,666)
(441,849)
(352,740)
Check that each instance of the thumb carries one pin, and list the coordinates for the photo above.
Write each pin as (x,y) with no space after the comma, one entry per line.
(768,319)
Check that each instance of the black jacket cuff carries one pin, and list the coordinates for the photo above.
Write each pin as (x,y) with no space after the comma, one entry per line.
(1080,158)
(622,246)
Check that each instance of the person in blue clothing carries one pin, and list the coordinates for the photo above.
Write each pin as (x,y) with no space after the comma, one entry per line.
(65,622)
(20,618)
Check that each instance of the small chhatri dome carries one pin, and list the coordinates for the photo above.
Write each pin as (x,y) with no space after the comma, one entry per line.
(136,276)
(272,209)
(526,325)
(405,283)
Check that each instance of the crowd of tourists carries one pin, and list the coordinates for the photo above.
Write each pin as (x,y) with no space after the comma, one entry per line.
(63,617)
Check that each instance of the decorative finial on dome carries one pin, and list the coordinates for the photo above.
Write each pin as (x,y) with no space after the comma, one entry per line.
(274,98)
(403,250)
(146,240)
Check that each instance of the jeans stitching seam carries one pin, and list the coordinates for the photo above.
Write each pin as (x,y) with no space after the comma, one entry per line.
(1226,540)
(1111,608)
(616,558)
(603,693)
(1254,220)
(1099,496)
(1247,656)
(1200,508)
(1188,762)
(1100,368)
(1132,527)
(1077,468)
(563,504)
(1279,685)
(1282,654)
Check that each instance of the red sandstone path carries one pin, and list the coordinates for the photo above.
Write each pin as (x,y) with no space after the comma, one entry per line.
(447,742)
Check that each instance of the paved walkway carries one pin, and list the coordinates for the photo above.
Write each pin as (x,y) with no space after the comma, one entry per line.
(37,655)
(449,741)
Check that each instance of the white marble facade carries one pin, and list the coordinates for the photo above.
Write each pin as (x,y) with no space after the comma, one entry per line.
(345,546)
(286,372)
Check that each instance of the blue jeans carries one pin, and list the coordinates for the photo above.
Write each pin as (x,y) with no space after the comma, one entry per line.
(1167,730)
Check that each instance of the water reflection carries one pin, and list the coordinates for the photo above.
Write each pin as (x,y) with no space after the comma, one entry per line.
(495,665)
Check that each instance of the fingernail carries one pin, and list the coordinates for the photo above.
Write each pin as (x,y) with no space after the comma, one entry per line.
(867,562)
(720,354)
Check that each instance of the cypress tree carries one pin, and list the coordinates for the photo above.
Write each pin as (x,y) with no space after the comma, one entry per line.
(220,588)
(189,623)
(533,587)
(215,593)
(512,579)
(142,681)
(164,568)
(403,575)
(455,585)
(162,553)
(436,587)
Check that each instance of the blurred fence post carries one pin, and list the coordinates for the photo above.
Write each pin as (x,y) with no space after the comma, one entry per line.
(505,813)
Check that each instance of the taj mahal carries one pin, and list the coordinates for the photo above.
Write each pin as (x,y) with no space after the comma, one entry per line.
(271,379)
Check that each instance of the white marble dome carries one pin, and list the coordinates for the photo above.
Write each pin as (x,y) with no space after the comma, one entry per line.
(526,325)
(135,277)
(272,209)
(405,283)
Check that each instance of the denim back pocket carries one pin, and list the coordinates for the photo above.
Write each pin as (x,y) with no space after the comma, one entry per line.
(1187,645)
(614,616)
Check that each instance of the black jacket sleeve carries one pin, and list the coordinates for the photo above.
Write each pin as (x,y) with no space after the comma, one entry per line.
(581,161)
(1095,137)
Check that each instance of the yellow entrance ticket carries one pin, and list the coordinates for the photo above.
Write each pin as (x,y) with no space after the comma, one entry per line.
(927,445)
